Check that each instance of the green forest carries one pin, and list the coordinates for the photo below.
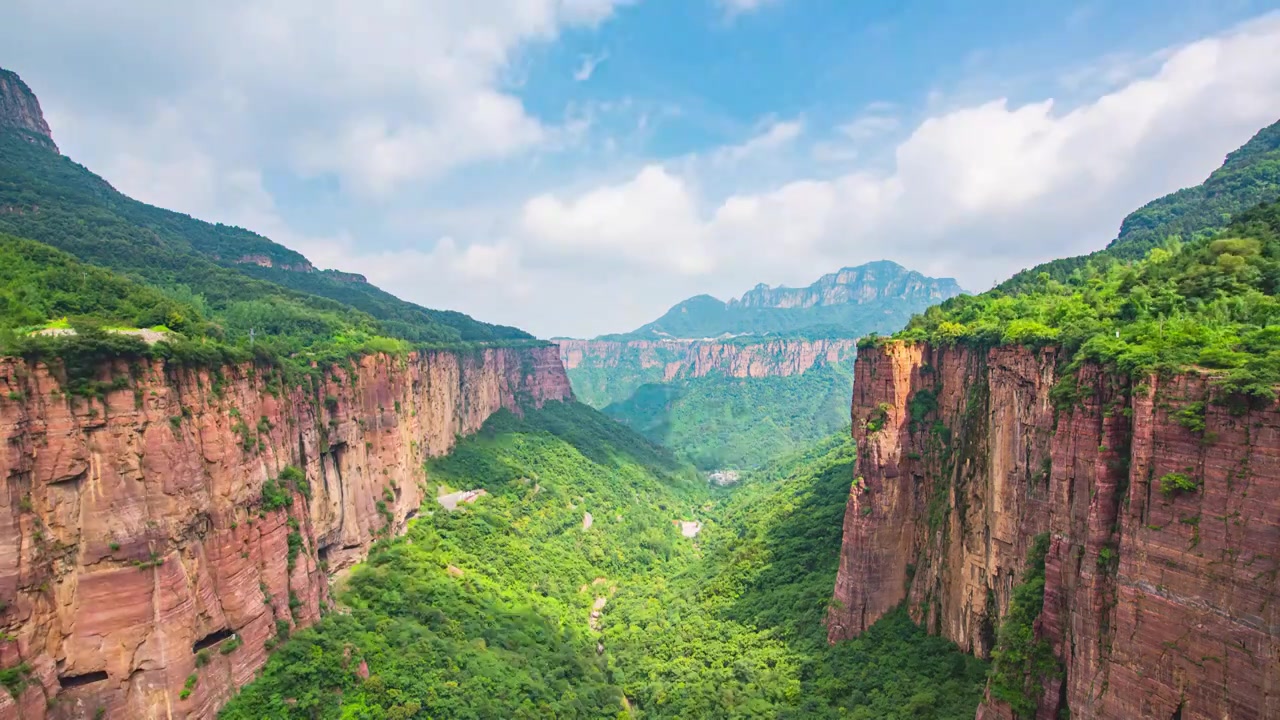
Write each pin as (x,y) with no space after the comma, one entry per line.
(486,612)
(1210,303)
(194,269)
(718,421)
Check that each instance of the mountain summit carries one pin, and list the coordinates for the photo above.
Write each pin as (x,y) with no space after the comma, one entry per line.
(875,297)
(19,109)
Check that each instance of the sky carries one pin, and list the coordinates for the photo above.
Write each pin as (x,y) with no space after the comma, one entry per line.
(576,167)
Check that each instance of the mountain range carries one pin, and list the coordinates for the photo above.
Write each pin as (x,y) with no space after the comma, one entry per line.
(877,297)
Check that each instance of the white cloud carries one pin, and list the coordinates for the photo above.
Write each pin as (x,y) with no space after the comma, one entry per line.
(978,192)
(375,94)
(588,66)
(733,8)
(774,137)
(650,220)
(227,110)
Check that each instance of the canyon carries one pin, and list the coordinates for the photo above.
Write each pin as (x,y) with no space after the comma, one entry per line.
(1158,499)
(605,371)
(156,541)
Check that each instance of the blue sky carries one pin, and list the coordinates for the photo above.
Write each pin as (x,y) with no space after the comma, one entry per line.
(575,167)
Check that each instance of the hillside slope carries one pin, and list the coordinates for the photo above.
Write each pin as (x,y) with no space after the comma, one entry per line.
(245,280)
(1248,177)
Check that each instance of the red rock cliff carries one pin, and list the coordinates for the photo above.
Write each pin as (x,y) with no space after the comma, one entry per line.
(1160,605)
(133,530)
(696,358)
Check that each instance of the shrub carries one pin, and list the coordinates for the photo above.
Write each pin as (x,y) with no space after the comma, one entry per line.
(1176,484)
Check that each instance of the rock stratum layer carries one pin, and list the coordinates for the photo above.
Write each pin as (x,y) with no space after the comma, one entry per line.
(1157,604)
(145,539)
(606,371)
(698,358)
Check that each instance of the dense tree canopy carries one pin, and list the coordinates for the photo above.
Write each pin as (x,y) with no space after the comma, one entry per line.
(486,612)
(1210,304)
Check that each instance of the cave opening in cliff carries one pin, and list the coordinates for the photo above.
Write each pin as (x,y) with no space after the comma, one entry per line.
(212,639)
(70,681)
(1177,714)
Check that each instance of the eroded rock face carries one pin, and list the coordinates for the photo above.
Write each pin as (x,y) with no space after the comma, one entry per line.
(20,109)
(697,358)
(1157,604)
(133,530)
(606,371)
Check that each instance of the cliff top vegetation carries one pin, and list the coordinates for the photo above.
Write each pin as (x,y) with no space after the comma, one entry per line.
(1209,303)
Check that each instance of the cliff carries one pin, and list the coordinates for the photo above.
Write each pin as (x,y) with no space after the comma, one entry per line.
(155,541)
(606,371)
(20,109)
(1162,513)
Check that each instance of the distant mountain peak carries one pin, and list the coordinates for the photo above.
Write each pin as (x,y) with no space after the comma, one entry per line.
(19,109)
(877,296)
(869,282)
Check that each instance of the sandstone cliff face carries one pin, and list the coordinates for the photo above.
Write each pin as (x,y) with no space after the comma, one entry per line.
(133,530)
(696,358)
(20,109)
(1157,604)
(605,371)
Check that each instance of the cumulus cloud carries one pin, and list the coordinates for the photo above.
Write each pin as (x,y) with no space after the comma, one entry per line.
(651,220)
(978,192)
(373,94)
(223,112)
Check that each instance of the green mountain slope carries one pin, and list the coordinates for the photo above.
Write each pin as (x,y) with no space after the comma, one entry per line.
(487,611)
(1210,304)
(47,197)
(875,297)
(1248,177)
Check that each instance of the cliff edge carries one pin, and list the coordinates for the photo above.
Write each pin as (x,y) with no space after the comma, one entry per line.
(1156,506)
(183,521)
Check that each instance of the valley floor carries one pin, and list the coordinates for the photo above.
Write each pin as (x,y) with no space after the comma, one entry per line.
(513,607)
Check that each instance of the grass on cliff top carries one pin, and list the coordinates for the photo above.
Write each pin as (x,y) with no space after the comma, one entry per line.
(485,612)
(1207,304)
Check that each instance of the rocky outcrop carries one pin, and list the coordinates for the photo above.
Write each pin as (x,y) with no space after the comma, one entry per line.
(881,280)
(263,260)
(1159,602)
(347,277)
(605,371)
(160,537)
(697,358)
(20,109)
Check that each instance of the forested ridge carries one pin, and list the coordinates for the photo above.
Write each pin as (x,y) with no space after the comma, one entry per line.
(205,273)
(1250,176)
(486,612)
(1208,304)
